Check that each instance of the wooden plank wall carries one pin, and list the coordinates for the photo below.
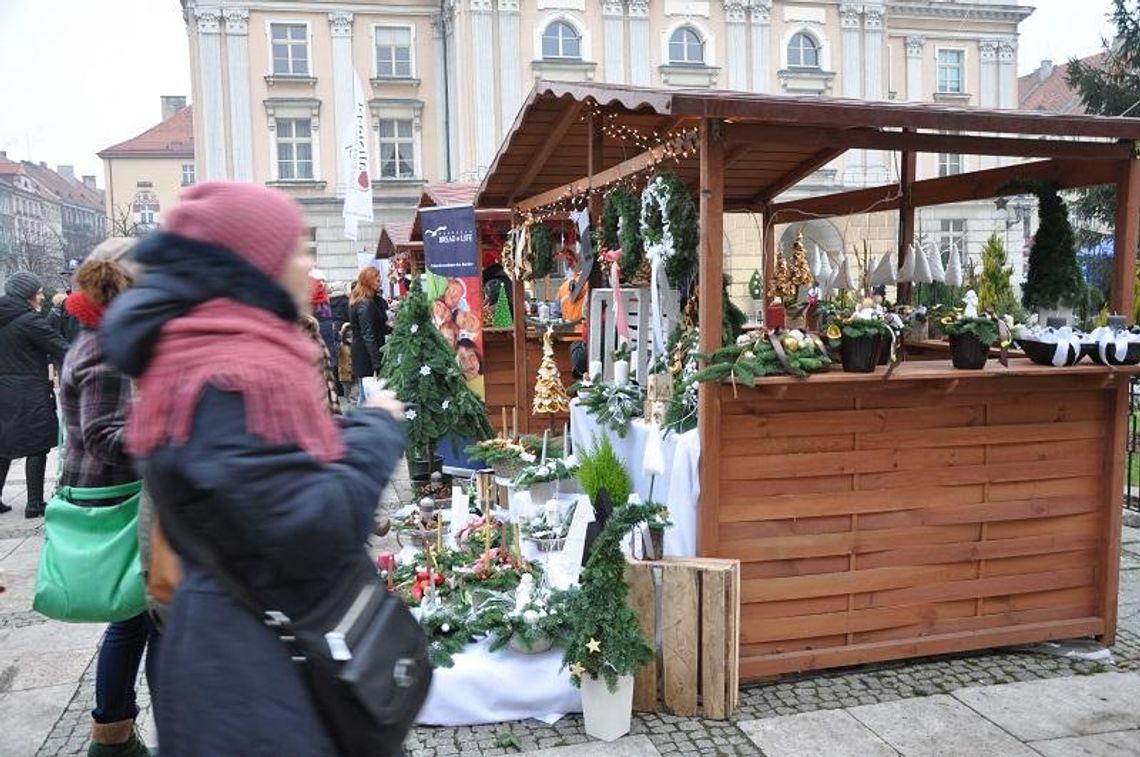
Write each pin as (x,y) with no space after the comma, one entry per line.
(498,366)
(881,521)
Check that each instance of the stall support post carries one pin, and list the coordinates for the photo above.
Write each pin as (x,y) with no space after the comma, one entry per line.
(769,242)
(1127,237)
(594,199)
(711,268)
(907,175)
(518,296)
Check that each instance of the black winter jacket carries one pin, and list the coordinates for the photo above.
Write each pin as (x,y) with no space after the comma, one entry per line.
(28,423)
(369,320)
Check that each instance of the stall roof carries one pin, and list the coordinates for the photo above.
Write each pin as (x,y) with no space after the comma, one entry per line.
(771,142)
(453,193)
(395,237)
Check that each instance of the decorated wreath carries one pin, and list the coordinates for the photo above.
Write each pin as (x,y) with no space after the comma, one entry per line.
(621,228)
(670,228)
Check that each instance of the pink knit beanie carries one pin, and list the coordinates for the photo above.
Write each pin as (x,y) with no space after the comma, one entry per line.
(259,224)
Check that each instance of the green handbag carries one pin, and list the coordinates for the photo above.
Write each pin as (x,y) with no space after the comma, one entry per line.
(89,568)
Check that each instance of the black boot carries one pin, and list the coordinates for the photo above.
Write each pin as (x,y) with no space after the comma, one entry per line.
(34,511)
(5,508)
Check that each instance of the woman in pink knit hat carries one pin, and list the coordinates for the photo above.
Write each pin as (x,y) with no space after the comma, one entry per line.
(241,454)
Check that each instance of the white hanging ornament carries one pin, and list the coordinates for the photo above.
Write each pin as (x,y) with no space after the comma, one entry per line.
(885,271)
(954,268)
(842,278)
(937,270)
(814,260)
(906,272)
(825,275)
(922,268)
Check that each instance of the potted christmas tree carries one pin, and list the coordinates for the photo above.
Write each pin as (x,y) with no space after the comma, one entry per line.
(419,366)
(606,646)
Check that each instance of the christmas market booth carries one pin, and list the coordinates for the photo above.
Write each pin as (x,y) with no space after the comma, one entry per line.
(884,511)
(512,347)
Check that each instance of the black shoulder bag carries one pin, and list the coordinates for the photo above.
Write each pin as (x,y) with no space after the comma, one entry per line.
(364,655)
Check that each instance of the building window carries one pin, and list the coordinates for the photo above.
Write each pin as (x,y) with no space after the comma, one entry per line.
(803,51)
(294,149)
(309,240)
(290,49)
(949,164)
(951,64)
(393,52)
(561,41)
(397,149)
(187,174)
(145,208)
(686,48)
(952,237)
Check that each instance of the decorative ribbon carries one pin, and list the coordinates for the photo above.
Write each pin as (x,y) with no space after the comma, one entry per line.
(1065,339)
(621,319)
(655,255)
(1104,337)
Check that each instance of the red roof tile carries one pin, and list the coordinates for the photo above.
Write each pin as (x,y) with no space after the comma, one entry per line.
(173,138)
(67,190)
(1052,94)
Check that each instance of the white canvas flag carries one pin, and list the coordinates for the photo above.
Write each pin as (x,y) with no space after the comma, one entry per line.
(358,181)
(885,271)
(934,258)
(906,273)
(954,268)
(922,268)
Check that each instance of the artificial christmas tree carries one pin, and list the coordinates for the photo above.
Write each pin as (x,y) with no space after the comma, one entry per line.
(801,272)
(501,317)
(549,394)
(781,285)
(420,367)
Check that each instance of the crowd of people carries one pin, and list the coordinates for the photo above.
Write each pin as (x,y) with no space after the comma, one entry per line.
(205,360)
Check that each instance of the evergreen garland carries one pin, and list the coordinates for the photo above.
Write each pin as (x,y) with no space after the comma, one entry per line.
(605,638)
(669,217)
(542,246)
(420,368)
(614,406)
(621,227)
(1054,276)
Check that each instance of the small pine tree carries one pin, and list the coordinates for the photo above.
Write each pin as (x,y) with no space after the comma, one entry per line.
(501,318)
(994,291)
(549,394)
(606,640)
(420,368)
(1054,277)
(756,286)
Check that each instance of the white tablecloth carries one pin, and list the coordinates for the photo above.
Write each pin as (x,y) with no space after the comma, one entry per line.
(679,488)
(493,688)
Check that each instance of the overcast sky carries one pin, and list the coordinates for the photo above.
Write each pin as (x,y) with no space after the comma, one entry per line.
(77,76)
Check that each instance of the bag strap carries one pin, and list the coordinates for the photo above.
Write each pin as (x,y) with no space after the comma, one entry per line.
(98,493)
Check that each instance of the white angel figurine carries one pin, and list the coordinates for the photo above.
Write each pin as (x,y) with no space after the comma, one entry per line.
(971,302)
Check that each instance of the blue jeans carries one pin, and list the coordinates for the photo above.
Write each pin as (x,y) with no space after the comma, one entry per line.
(123,646)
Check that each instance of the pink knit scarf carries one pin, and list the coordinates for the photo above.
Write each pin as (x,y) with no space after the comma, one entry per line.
(234,348)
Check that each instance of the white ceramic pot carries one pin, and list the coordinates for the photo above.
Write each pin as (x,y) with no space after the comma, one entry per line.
(541,492)
(607,713)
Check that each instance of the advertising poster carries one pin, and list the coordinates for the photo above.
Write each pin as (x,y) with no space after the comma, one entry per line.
(455,285)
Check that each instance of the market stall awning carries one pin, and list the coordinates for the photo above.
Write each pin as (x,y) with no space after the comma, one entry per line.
(772,142)
(453,193)
(396,237)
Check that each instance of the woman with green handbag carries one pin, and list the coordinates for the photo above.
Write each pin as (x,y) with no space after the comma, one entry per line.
(99,493)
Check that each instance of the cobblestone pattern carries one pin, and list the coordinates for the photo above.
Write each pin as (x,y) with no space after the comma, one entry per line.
(72,731)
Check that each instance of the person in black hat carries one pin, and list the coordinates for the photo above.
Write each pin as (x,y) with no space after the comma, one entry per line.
(29,427)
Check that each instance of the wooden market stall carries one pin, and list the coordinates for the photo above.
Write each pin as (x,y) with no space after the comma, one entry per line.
(935,510)
(509,372)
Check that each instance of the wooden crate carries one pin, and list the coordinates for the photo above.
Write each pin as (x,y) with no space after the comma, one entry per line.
(691,607)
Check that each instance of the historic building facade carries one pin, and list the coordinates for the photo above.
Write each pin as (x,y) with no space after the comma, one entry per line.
(272,86)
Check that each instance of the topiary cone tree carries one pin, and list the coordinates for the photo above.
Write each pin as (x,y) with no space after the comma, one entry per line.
(605,637)
(420,367)
(1054,277)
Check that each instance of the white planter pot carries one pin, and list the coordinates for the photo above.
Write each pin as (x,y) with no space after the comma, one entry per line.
(607,714)
(541,492)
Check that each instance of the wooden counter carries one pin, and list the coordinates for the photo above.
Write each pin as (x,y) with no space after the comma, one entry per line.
(937,511)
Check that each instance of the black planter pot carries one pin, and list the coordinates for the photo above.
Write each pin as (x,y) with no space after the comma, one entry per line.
(421,470)
(860,355)
(885,350)
(967,351)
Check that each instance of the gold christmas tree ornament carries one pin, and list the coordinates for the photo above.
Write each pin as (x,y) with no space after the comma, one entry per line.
(801,271)
(781,284)
(549,394)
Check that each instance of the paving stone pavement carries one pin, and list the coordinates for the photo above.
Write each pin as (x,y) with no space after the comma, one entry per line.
(47,690)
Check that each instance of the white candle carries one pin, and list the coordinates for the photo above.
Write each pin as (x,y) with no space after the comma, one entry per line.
(621,372)
(545,439)
(565,440)
(595,369)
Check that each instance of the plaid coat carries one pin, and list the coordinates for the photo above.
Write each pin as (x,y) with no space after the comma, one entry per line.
(94,398)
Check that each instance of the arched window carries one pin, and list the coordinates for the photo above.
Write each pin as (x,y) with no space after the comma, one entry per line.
(686,47)
(561,41)
(803,51)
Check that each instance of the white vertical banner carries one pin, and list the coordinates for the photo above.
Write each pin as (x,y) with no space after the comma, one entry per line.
(358,183)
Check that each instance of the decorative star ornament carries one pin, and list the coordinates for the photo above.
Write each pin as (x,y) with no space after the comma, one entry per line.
(594,645)
(577,670)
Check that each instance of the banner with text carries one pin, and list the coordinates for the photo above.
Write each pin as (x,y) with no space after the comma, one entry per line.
(455,285)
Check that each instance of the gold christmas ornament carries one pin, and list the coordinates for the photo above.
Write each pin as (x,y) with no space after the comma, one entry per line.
(781,284)
(549,394)
(594,645)
(801,272)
